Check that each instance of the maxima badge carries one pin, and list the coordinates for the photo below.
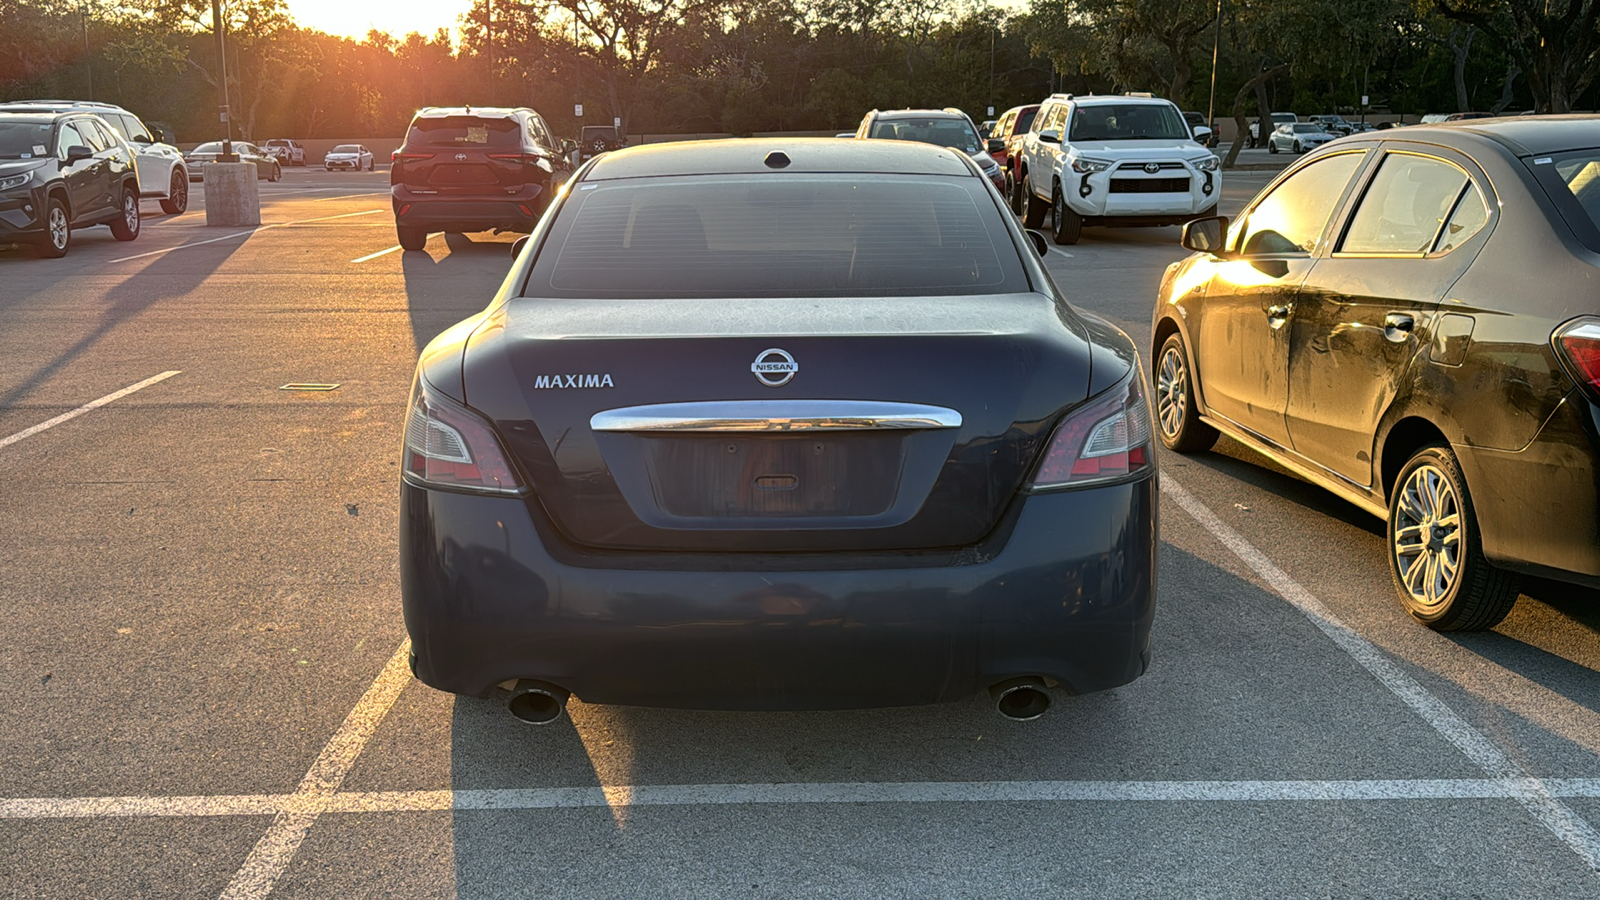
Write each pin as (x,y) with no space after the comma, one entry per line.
(774,367)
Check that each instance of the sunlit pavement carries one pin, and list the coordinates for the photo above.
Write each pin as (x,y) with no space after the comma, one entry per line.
(206,696)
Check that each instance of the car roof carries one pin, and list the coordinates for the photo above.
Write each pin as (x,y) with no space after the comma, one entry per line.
(806,155)
(482,112)
(36,118)
(1522,135)
(921,114)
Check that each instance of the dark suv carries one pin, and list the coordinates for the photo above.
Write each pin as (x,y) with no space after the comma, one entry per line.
(474,169)
(598,139)
(60,171)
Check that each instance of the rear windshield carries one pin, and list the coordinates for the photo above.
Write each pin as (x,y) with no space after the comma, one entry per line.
(277,143)
(464,131)
(936,130)
(24,140)
(1575,188)
(784,236)
(213,147)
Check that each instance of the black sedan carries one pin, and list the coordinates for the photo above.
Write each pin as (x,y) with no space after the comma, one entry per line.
(1409,319)
(267,165)
(778,425)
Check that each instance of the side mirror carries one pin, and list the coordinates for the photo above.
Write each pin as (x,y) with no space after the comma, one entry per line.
(143,139)
(1040,245)
(996,145)
(77,152)
(1050,137)
(1201,133)
(517,245)
(1205,235)
(568,145)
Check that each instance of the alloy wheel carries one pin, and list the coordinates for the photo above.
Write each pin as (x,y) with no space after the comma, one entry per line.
(1427,536)
(1172,394)
(130,210)
(58,228)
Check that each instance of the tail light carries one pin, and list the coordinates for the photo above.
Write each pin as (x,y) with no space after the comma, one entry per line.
(400,156)
(527,159)
(1578,344)
(448,446)
(1107,439)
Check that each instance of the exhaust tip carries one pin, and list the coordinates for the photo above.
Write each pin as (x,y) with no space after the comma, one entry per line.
(536,702)
(1021,699)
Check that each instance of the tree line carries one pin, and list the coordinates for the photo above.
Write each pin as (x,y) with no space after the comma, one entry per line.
(744,66)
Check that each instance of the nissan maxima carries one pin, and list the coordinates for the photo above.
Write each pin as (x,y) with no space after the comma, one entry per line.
(762,425)
(1409,319)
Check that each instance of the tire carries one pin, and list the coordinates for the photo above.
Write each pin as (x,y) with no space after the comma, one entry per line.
(412,238)
(1177,417)
(276,174)
(58,231)
(125,227)
(1272,146)
(177,199)
(1033,209)
(1444,590)
(1066,226)
(1298,148)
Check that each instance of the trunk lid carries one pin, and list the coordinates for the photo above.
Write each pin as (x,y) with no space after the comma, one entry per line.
(461,155)
(902,423)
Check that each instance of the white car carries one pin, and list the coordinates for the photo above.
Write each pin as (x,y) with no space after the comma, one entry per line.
(163,174)
(1298,137)
(348,156)
(1123,159)
(285,151)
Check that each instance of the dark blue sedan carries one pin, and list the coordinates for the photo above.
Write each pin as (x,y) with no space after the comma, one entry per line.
(760,425)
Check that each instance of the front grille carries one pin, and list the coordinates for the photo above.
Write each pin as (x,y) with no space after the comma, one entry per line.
(1139,166)
(1149,185)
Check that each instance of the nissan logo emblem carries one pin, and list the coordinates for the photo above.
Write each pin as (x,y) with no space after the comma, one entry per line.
(1152,168)
(774,367)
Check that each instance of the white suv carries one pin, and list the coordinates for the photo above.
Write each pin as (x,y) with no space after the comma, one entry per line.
(1125,159)
(162,173)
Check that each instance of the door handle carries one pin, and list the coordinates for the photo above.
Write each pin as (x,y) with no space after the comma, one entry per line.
(1397,327)
(1277,315)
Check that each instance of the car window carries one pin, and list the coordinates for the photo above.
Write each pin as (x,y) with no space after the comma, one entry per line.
(1025,121)
(68,137)
(93,135)
(802,236)
(1470,215)
(1580,174)
(1291,218)
(464,131)
(940,131)
(1404,205)
(1128,122)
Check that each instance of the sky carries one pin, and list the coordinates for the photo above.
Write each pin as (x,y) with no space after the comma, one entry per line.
(397,17)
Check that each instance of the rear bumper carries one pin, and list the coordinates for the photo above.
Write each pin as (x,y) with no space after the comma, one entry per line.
(467,212)
(1070,596)
(1538,508)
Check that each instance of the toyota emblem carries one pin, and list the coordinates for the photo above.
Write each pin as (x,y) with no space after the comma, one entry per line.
(774,367)
(1152,168)
(461,157)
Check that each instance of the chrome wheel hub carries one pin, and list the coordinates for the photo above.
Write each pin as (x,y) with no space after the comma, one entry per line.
(130,211)
(1172,393)
(1426,538)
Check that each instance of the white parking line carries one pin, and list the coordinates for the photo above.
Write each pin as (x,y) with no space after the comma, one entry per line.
(362,259)
(240,234)
(799,794)
(1062,252)
(349,196)
(91,405)
(1539,801)
(272,854)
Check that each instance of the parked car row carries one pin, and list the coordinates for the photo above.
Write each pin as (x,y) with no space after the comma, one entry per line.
(61,170)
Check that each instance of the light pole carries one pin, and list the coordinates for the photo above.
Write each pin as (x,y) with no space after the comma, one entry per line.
(222,85)
(1216,44)
(88,64)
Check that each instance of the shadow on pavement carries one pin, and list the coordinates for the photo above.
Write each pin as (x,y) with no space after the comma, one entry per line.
(1234,460)
(166,277)
(444,290)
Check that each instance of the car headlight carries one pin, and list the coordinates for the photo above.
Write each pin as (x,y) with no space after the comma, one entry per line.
(1208,164)
(1085,165)
(15,181)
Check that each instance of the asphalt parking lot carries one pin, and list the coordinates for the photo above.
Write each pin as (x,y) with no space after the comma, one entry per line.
(207,696)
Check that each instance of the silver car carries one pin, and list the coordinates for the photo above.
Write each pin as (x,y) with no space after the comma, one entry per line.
(1299,137)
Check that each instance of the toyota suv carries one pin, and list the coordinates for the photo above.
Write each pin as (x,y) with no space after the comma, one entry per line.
(62,171)
(1125,159)
(162,173)
(474,169)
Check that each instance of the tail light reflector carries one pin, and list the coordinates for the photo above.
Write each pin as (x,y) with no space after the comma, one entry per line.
(448,446)
(527,159)
(1578,343)
(400,156)
(1107,439)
